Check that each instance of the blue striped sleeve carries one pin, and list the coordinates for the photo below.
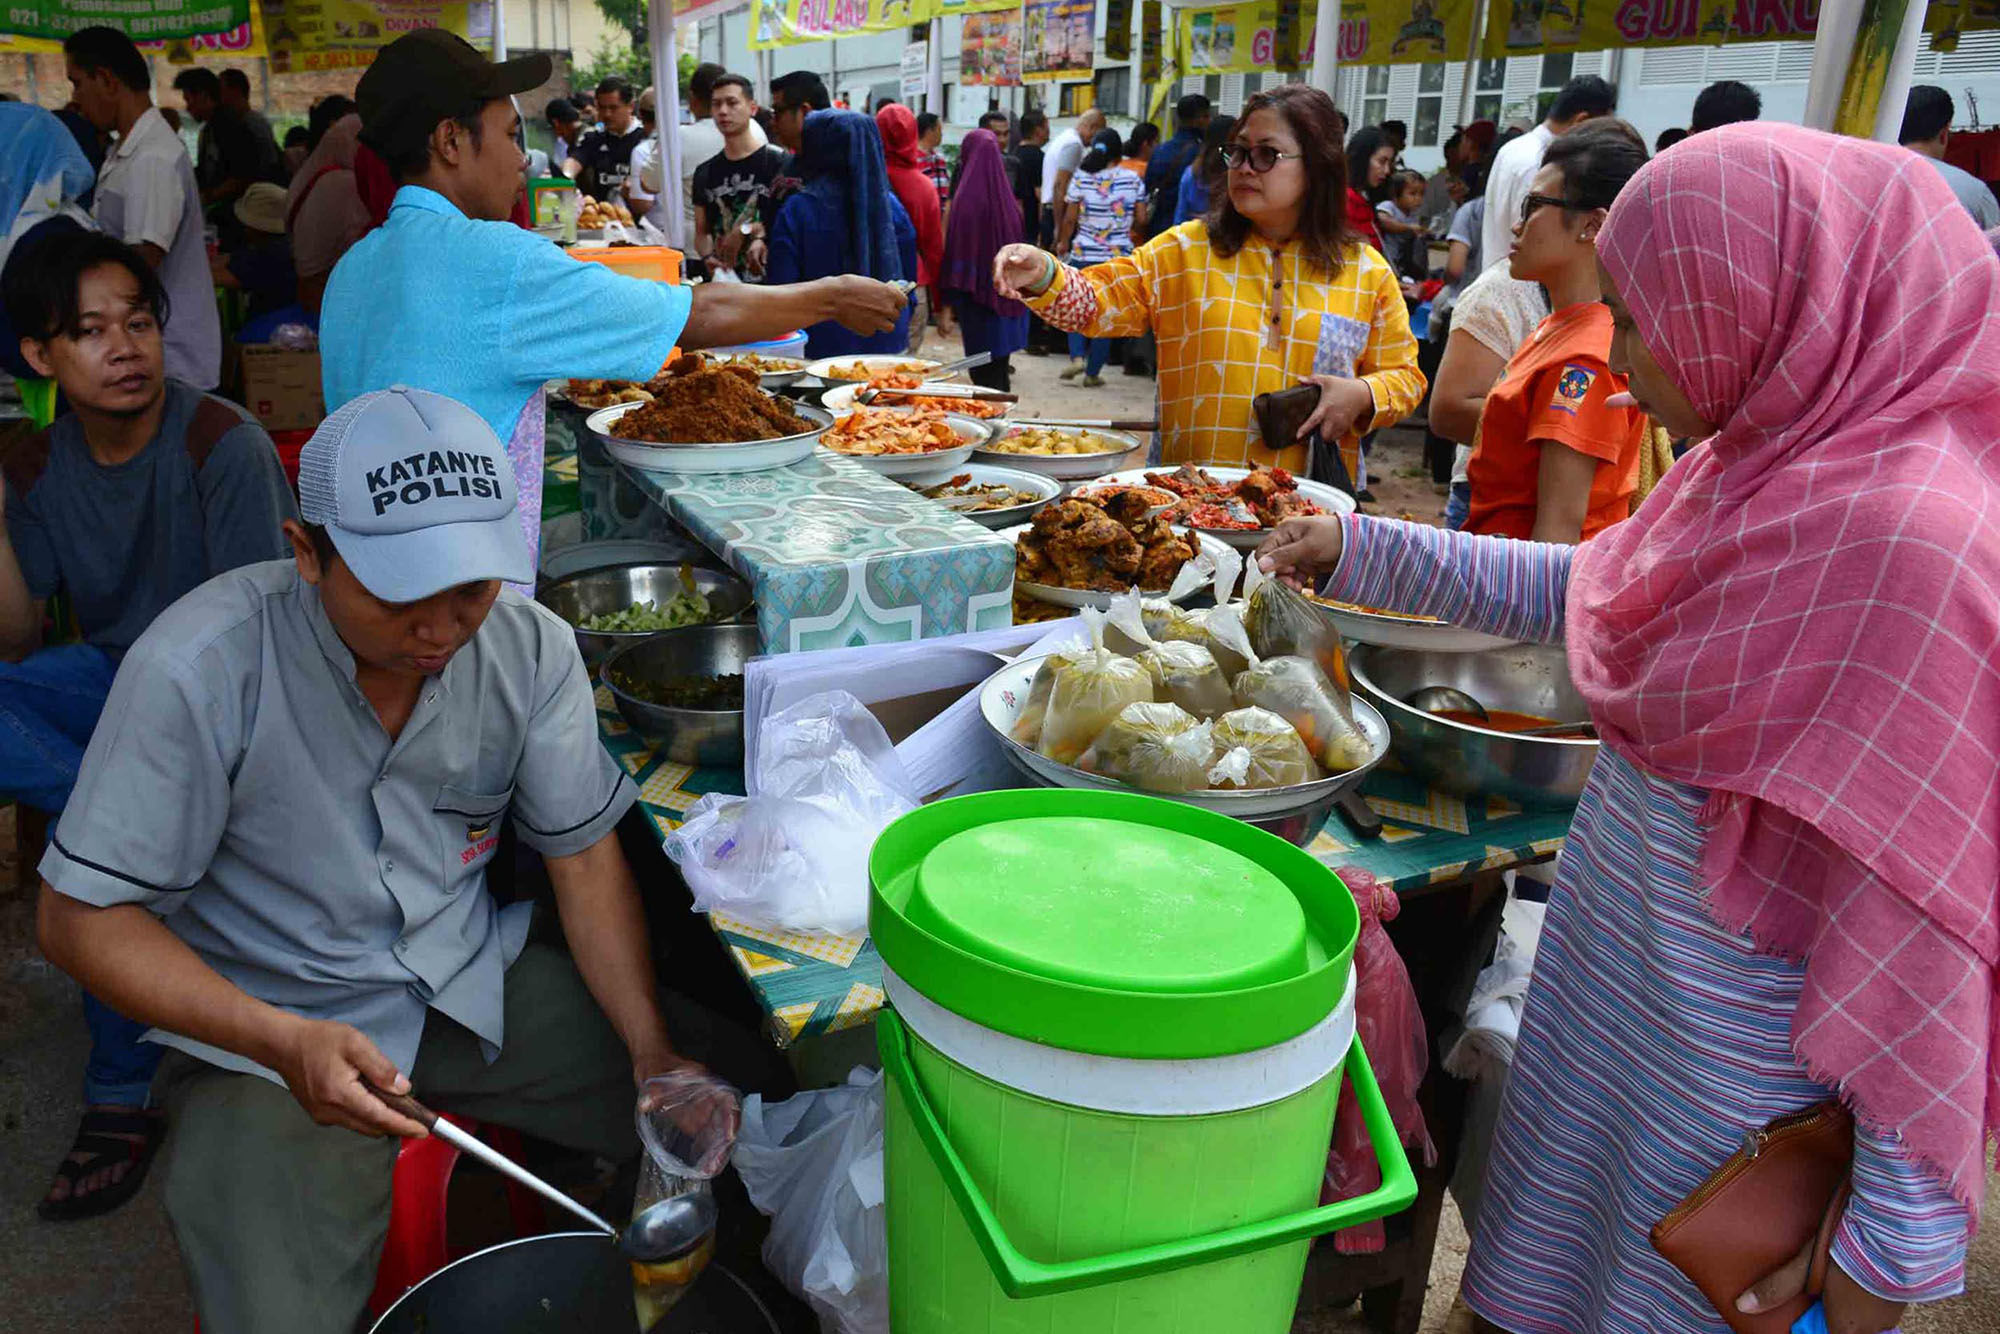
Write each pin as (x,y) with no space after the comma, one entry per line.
(1904,1237)
(1495,584)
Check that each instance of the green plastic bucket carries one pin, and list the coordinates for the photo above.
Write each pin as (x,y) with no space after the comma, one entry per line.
(1116,1032)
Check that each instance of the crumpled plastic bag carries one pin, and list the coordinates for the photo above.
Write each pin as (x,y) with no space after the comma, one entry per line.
(814,1164)
(1389,1025)
(794,854)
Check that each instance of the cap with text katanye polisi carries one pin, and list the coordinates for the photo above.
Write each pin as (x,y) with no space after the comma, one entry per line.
(417,494)
(430,75)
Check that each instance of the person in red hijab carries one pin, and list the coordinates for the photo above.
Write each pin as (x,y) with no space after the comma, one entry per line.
(918,192)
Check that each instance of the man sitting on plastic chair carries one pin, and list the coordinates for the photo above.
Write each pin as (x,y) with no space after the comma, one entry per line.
(277,855)
(143,490)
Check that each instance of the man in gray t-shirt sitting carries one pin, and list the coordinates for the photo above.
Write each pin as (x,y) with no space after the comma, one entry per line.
(145,489)
(277,856)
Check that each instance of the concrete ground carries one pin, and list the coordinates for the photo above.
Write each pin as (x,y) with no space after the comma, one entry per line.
(122,1275)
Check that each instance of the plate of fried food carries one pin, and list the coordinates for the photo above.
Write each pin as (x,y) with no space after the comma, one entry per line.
(705,418)
(1076,553)
(991,497)
(1240,506)
(595,394)
(842,398)
(864,368)
(908,446)
(1054,451)
(772,372)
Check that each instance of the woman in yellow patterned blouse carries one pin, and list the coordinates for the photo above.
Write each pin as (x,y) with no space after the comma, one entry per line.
(1272,289)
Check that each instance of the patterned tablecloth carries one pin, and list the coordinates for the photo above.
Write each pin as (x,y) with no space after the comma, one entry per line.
(835,555)
(812,984)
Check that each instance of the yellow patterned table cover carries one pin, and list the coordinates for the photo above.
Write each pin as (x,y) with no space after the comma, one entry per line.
(814,984)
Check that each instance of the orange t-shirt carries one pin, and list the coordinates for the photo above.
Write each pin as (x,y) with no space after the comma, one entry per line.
(1554,389)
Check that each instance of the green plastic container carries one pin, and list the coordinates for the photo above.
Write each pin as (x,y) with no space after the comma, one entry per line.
(1115,1040)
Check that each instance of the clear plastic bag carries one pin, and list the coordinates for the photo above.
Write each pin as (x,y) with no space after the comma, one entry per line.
(1156,747)
(1297,690)
(1258,749)
(1281,622)
(688,1121)
(1027,727)
(1218,629)
(1087,694)
(794,854)
(1125,629)
(1186,674)
(814,1164)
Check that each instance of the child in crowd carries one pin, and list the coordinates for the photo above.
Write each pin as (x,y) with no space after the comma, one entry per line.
(1397,219)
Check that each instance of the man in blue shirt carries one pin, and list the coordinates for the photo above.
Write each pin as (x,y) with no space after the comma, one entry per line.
(1170,159)
(451,297)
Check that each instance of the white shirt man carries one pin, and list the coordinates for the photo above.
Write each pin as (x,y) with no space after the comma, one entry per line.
(146,196)
(1515,165)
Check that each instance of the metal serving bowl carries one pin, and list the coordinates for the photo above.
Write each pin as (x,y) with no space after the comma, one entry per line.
(614,588)
(1462,759)
(706,737)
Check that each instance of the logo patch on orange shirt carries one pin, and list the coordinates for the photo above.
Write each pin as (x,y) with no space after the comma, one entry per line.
(1573,388)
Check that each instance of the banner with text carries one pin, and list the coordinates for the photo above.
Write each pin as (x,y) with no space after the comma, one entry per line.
(990,54)
(346,34)
(144,21)
(1278,34)
(240,39)
(1058,39)
(791,22)
(1531,27)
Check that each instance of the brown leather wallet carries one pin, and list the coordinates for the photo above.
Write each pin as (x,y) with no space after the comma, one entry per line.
(1280,415)
(1786,1186)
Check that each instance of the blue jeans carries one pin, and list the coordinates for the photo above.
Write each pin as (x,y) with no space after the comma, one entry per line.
(1093,352)
(1458,508)
(49,705)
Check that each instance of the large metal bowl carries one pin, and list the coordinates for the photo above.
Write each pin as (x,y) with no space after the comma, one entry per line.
(710,738)
(1543,773)
(1293,813)
(595,592)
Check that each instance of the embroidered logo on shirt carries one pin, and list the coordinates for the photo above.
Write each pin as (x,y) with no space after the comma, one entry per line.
(475,832)
(1573,388)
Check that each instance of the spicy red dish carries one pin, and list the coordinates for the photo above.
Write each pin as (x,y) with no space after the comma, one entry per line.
(1261,499)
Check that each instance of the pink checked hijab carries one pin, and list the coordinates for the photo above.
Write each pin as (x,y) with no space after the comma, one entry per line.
(1804,617)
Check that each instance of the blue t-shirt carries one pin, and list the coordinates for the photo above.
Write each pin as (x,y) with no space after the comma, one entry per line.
(1191,201)
(486,313)
(806,244)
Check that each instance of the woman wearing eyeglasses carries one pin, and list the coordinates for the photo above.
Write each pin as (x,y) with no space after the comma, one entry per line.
(1272,289)
(1554,460)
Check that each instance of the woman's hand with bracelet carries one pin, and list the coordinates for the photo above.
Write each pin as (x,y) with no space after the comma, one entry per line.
(1021,270)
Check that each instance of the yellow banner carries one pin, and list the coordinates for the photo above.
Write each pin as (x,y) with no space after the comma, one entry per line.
(791,22)
(245,39)
(1530,27)
(1244,38)
(346,34)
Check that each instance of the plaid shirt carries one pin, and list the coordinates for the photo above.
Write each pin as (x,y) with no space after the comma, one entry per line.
(938,169)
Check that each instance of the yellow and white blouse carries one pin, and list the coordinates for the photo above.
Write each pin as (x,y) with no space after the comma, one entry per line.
(1212,318)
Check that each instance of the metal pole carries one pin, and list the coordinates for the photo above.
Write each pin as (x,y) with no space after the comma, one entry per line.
(1902,65)
(1833,47)
(1471,79)
(499,30)
(1326,47)
(667,101)
(934,71)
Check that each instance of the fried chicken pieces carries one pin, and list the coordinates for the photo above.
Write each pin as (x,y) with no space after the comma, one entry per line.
(1105,548)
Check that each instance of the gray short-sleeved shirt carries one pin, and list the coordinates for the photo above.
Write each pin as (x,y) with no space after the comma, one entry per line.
(240,786)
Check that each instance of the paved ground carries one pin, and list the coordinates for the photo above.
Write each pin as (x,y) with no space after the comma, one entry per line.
(121,1275)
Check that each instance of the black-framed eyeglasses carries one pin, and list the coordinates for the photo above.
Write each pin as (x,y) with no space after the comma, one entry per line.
(1533,202)
(1260,158)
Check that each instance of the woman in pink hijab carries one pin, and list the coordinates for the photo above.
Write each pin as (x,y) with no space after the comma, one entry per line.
(1780,886)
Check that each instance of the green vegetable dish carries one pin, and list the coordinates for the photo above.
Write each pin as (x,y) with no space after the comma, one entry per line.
(703,693)
(688,607)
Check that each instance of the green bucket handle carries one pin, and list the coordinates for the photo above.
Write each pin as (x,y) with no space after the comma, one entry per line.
(1021,1277)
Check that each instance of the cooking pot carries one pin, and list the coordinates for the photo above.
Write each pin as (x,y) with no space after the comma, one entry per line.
(564,1283)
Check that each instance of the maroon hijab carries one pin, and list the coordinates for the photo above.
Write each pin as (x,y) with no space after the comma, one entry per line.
(984,217)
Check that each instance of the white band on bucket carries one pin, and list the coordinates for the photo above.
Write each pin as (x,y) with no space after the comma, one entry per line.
(1200,1087)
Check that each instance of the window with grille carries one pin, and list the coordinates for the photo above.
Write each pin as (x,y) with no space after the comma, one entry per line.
(1556,71)
(1375,96)
(1489,90)
(1114,89)
(1429,113)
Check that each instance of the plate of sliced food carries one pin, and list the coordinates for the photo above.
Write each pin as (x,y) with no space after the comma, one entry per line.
(863,368)
(595,394)
(772,372)
(909,395)
(989,496)
(1238,505)
(1075,553)
(908,446)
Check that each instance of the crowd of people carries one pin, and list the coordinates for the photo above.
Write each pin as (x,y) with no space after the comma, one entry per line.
(1684,388)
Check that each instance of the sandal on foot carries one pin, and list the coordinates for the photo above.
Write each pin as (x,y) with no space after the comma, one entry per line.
(99,1145)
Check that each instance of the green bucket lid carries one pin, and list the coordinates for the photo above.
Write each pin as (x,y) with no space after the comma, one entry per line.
(1111,923)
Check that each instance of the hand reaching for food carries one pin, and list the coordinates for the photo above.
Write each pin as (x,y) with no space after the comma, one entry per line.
(1302,551)
(1021,270)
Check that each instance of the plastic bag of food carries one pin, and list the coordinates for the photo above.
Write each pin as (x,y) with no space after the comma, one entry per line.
(1087,694)
(1186,674)
(1280,621)
(1157,747)
(1297,690)
(1027,727)
(1125,623)
(1259,749)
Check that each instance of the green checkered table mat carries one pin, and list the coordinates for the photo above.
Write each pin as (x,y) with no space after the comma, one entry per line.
(813,984)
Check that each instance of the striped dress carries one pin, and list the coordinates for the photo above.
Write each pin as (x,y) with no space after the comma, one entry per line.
(1652,1040)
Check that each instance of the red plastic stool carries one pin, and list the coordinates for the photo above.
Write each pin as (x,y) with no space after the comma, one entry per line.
(417,1245)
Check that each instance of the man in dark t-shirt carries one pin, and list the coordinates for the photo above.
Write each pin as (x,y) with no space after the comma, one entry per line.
(1028,171)
(601,161)
(734,203)
(145,489)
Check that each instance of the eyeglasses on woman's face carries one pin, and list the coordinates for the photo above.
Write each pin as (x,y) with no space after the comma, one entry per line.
(1531,203)
(1259,158)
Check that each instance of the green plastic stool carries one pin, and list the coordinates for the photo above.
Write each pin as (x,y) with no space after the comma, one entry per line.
(39,397)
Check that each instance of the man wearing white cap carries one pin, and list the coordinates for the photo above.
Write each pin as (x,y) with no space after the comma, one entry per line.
(276,856)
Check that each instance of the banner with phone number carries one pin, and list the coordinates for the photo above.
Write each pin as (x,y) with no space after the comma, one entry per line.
(1532,27)
(1244,38)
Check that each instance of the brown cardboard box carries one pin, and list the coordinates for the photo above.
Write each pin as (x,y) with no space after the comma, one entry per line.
(281,385)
